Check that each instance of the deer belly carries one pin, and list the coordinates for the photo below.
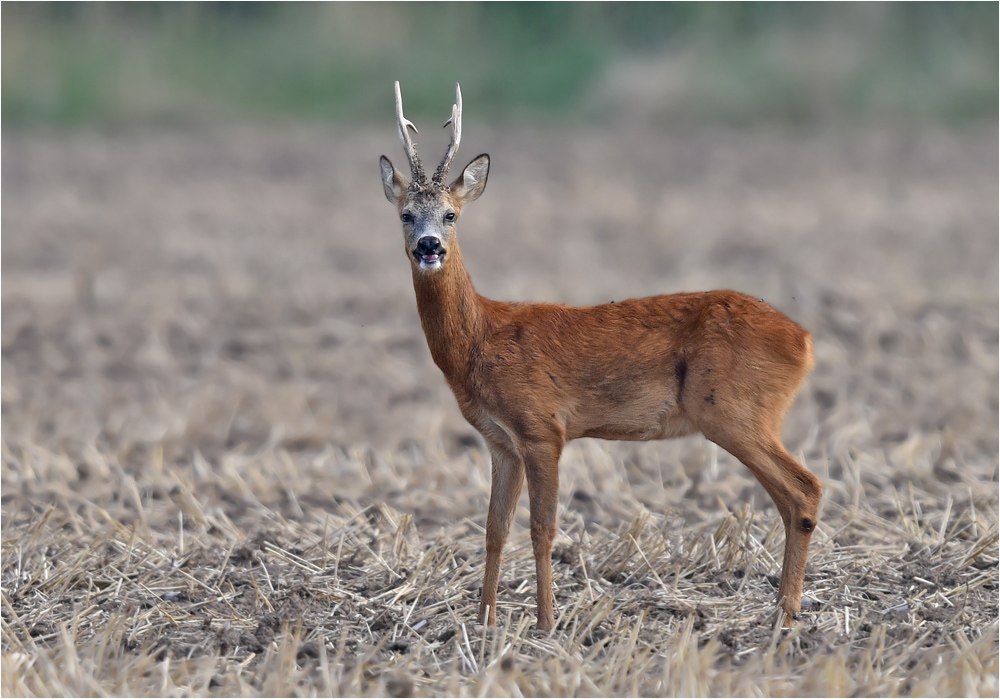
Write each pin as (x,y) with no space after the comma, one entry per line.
(639,421)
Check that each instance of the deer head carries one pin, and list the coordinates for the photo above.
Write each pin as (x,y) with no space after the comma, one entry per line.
(429,210)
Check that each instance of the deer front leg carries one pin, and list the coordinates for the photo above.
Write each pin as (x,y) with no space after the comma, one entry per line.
(508,475)
(541,462)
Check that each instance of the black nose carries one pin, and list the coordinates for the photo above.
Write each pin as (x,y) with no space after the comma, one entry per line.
(429,245)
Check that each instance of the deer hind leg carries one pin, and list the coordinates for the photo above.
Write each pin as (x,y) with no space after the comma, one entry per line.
(541,461)
(745,419)
(750,433)
(508,476)
(796,493)
(800,517)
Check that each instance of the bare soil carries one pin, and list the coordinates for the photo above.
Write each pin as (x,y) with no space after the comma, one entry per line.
(230,467)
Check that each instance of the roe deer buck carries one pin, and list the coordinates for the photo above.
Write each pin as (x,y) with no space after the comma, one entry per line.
(532,376)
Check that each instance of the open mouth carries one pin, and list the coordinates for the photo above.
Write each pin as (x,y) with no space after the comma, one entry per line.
(429,259)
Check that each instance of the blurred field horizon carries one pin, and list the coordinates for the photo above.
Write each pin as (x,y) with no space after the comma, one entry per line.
(229,466)
(667,64)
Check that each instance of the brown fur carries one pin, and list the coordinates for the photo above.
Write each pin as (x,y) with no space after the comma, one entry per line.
(531,377)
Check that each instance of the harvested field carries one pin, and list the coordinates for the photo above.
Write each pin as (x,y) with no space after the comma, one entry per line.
(229,466)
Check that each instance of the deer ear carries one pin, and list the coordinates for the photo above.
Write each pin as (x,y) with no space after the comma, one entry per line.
(471,183)
(393,183)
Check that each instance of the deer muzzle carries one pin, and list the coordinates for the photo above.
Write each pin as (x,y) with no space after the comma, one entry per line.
(429,252)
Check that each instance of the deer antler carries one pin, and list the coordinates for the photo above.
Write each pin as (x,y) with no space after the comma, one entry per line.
(456,137)
(404,124)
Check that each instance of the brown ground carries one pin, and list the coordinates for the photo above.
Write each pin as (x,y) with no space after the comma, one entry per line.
(230,467)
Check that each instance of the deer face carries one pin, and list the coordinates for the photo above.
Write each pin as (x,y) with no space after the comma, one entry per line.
(429,212)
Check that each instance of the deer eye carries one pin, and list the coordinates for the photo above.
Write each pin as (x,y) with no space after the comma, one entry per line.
(450,216)
(406,218)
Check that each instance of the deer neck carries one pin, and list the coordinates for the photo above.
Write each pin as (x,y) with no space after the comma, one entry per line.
(451,313)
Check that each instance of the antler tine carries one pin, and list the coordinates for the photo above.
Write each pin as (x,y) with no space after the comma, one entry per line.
(404,124)
(456,136)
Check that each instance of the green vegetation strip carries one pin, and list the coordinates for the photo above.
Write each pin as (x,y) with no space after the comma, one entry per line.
(114,64)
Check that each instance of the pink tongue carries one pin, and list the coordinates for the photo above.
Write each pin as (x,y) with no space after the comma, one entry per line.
(430,258)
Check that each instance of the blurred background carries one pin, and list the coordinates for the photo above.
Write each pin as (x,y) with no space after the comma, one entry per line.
(116,64)
(197,254)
